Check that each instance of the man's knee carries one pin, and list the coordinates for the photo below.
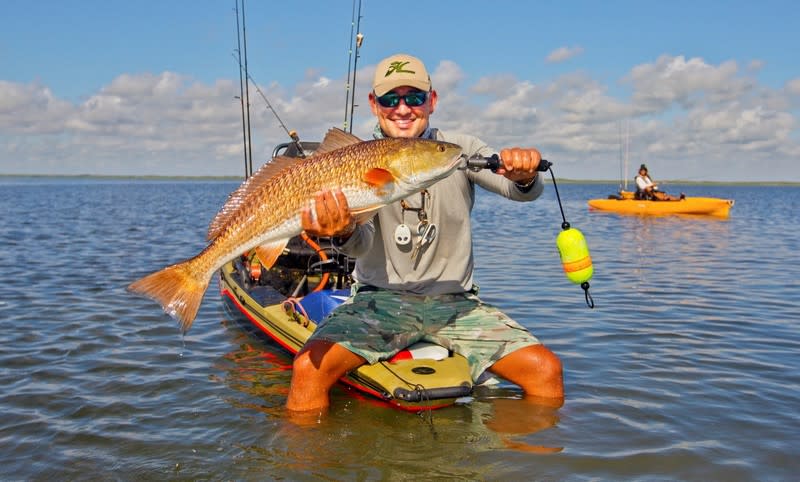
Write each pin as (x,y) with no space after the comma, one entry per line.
(541,361)
(549,363)
(534,361)
(323,360)
(302,365)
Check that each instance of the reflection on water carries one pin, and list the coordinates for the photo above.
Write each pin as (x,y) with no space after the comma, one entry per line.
(685,370)
(497,418)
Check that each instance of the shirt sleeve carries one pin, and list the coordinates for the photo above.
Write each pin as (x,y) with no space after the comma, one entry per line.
(643,182)
(359,242)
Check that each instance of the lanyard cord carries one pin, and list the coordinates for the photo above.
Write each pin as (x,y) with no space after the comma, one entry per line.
(564,226)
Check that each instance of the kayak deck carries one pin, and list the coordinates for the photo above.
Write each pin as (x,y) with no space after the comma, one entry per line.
(414,380)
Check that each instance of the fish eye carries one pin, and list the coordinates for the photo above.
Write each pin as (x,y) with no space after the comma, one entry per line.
(440,148)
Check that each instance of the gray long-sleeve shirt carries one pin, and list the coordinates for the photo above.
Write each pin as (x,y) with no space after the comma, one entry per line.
(445,265)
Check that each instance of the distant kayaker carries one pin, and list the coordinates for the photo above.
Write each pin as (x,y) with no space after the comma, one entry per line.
(646,189)
(414,263)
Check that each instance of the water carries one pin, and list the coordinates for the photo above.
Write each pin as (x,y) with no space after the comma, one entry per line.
(687,369)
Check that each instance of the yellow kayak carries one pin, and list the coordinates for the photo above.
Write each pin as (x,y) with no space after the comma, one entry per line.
(282,304)
(706,206)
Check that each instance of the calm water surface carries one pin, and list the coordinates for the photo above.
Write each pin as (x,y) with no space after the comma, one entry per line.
(687,369)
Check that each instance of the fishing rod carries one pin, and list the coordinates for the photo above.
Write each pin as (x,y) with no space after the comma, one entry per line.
(359,41)
(571,243)
(248,138)
(245,139)
(627,153)
(242,40)
(350,93)
(622,173)
(349,63)
(247,96)
(292,134)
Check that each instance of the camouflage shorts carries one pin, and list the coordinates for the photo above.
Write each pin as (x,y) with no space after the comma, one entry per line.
(378,324)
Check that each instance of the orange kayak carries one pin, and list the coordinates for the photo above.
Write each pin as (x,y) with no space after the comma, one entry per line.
(707,206)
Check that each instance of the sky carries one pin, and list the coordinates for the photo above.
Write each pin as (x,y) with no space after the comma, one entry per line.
(702,90)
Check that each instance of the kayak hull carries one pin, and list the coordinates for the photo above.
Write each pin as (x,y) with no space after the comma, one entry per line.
(704,206)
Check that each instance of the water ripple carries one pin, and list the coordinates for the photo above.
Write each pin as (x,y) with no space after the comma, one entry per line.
(685,370)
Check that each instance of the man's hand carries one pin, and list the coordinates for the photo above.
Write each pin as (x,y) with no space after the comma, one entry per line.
(520,164)
(333,217)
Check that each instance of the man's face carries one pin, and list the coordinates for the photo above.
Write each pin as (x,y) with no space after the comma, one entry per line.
(403,120)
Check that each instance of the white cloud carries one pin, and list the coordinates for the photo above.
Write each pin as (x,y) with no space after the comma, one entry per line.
(446,77)
(145,85)
(322,82)
(793,87)
(689,118)
(562,54)
(494,86)
(30,109)
(756,65)
(676,80)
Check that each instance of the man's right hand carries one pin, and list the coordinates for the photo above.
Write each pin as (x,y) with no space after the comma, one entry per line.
(333,216)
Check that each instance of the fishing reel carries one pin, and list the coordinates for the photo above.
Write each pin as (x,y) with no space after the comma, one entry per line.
(571,244)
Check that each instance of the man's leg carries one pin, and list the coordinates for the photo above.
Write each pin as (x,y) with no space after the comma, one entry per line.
(491,340)
(315,369)
(368,327)
(537,370)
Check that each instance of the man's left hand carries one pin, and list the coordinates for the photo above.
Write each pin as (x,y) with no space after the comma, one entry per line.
(520,164)
(331,217)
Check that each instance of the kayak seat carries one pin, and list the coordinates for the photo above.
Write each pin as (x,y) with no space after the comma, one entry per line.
(319,304)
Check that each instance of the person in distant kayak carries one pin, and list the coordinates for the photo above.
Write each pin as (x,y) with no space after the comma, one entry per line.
(646,189)
(414,263)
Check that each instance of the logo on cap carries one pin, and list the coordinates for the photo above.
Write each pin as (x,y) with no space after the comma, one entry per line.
(397,67)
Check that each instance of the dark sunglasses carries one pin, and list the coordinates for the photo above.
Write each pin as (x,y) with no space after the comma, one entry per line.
(412,99)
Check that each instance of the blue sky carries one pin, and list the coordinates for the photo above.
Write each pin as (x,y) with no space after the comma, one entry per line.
(708,90)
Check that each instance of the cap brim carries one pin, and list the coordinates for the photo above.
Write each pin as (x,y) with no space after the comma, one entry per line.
(385,87)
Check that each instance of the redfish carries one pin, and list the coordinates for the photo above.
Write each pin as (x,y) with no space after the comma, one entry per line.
(264,212)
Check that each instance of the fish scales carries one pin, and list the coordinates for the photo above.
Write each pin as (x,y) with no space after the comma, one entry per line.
(267,212)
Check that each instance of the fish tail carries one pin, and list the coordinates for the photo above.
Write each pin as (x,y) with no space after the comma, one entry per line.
(177,288)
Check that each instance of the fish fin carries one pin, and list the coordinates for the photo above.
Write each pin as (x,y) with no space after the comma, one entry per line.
(334,139)
(363,216)
(176,289)
(378,177)
(268,253)
(235,200)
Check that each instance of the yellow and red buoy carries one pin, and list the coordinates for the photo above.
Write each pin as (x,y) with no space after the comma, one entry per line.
(575,255)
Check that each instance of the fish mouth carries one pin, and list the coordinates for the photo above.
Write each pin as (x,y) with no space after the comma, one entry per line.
(455,163)
(463,162)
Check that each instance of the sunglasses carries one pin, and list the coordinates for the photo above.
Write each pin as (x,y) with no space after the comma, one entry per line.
(412,99)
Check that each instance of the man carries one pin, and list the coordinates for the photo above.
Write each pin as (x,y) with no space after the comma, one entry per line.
(407,290)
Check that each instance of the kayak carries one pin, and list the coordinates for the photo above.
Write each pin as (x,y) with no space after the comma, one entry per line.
(287,303)
(706,206)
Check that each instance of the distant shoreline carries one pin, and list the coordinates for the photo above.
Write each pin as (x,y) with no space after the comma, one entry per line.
(240,178)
